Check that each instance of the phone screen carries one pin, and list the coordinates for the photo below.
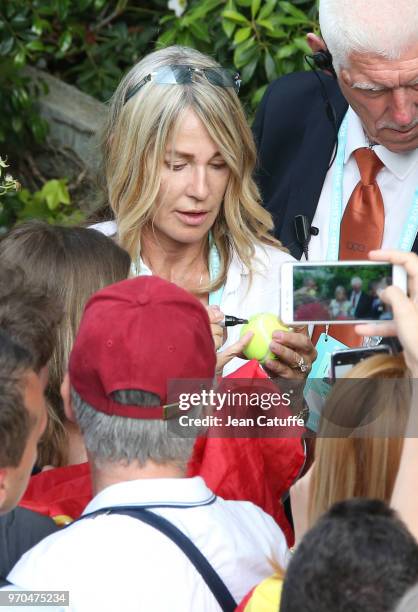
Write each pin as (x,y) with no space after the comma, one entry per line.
(336,293)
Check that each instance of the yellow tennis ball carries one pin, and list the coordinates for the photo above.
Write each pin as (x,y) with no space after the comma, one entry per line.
(263,325)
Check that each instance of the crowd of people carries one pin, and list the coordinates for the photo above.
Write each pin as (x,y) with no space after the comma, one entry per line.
(355,302)
(102,503)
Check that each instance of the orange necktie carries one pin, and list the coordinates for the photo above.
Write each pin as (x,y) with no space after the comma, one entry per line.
(361,229)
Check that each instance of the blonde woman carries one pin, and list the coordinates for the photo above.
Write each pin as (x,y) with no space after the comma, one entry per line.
(179,158)
(360,440)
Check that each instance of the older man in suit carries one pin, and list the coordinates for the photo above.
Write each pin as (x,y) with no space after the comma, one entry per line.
(368,197)
(343,151)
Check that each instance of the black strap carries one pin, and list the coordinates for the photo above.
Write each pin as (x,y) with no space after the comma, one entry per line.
(4,582)
(209,575)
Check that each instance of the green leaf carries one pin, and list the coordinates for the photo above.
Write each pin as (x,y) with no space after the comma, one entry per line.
(276,33)
(285,51)
(289,21)
(200,31)
(269,66)
(265,23)
(301,44)
(267,9)
(167,18)
(33,208)
(168,38)
(245,52)
(289,8)
(258,94)
(19,59)
(65,41)
(55,192)
(203,8)
(35,45)
(40,25)
(241,35)
(248,70)
(244,2)
(255,6)
(235,17)
(6,46)
(228,27)
(62,7)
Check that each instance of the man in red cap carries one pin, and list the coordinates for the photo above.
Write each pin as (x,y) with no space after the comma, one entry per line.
(151,539)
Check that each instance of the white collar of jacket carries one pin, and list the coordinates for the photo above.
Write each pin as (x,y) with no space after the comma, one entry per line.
(187,492)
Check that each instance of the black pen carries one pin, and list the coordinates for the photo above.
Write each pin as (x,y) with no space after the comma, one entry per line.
(230,321)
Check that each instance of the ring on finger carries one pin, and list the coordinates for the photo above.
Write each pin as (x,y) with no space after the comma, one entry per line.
(301,365)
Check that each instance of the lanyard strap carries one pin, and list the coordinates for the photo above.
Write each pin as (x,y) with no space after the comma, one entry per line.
(410,229)
(215,297)
(138,268)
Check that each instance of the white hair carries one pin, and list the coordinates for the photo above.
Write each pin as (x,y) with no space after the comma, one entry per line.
(115,439)
(382,27)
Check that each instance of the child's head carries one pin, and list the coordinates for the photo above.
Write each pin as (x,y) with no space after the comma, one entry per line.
(70,263)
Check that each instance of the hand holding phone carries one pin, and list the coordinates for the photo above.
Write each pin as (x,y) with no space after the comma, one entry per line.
(342,292)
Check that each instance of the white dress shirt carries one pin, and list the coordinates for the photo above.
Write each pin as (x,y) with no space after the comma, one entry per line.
(398,181)
(241,298)
(117,563)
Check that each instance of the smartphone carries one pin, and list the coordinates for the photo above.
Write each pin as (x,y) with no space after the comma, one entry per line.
(337,292)
(344,360)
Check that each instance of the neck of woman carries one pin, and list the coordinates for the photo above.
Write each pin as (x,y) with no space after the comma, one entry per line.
(185,264)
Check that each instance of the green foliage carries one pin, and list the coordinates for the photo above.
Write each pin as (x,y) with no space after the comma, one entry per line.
(52,203)
(91,43)
(261,39)
(327,280)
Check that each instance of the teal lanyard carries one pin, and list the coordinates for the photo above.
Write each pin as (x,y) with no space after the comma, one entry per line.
(410,228)
(215,297)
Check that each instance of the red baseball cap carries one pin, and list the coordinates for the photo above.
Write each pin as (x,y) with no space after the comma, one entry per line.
(140,334)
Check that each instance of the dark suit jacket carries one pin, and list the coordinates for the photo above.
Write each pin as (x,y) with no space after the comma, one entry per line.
(21,529)
(296,138)
(364,307)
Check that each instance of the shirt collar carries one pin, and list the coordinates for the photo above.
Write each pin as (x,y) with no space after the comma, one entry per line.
(153,492)
(399,164)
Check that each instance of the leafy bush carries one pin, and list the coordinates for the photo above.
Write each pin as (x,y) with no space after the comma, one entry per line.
(261,39)
(91,43)
(51,203)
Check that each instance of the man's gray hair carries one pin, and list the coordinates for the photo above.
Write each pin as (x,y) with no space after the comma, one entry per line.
(382,27)
(115,439)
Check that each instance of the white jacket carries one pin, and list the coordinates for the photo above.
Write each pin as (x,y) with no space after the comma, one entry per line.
(239,298)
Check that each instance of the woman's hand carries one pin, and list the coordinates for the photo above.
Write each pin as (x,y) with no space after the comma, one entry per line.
(405,309)
(295,353)
(219,337)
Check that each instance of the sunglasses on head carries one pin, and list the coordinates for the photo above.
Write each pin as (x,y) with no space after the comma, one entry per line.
(182,74)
